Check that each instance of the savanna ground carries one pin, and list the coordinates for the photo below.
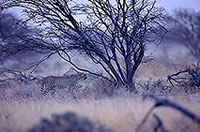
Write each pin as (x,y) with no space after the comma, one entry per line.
(22,105)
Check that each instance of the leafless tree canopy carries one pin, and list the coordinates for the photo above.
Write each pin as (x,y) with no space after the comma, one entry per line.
(107,32)
(186,30)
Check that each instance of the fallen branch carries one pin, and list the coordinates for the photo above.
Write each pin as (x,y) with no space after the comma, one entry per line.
(190,76)
(145,118)
(164,102)
(160,125)
(18,76)
(171,77)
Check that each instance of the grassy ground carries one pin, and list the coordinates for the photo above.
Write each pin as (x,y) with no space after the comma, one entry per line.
(121,114)
(22,106)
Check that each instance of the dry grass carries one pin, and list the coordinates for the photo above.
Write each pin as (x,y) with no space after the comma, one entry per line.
(122,114)
(23,106)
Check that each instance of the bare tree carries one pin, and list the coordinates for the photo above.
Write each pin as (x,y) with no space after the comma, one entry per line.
(185,28)
(104,31)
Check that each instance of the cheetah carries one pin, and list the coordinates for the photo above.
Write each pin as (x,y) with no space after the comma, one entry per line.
(51,83)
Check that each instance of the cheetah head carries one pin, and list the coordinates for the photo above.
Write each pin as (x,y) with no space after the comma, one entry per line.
(82,76)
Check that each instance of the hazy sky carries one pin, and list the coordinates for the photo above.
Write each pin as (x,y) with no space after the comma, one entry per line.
(170,5)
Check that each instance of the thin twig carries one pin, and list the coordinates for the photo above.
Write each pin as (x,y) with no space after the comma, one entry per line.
(159,126)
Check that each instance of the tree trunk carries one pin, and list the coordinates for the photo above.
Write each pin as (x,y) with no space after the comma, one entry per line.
(131,86)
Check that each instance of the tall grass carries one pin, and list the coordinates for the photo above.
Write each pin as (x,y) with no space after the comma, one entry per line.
(121,114)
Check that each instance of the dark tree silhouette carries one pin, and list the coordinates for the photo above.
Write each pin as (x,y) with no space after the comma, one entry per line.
(16,37)
(185,28)
(107,32)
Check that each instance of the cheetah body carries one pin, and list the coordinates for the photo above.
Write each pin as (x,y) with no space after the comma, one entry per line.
(52,83)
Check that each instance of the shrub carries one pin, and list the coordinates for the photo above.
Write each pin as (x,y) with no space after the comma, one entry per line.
(67,122)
